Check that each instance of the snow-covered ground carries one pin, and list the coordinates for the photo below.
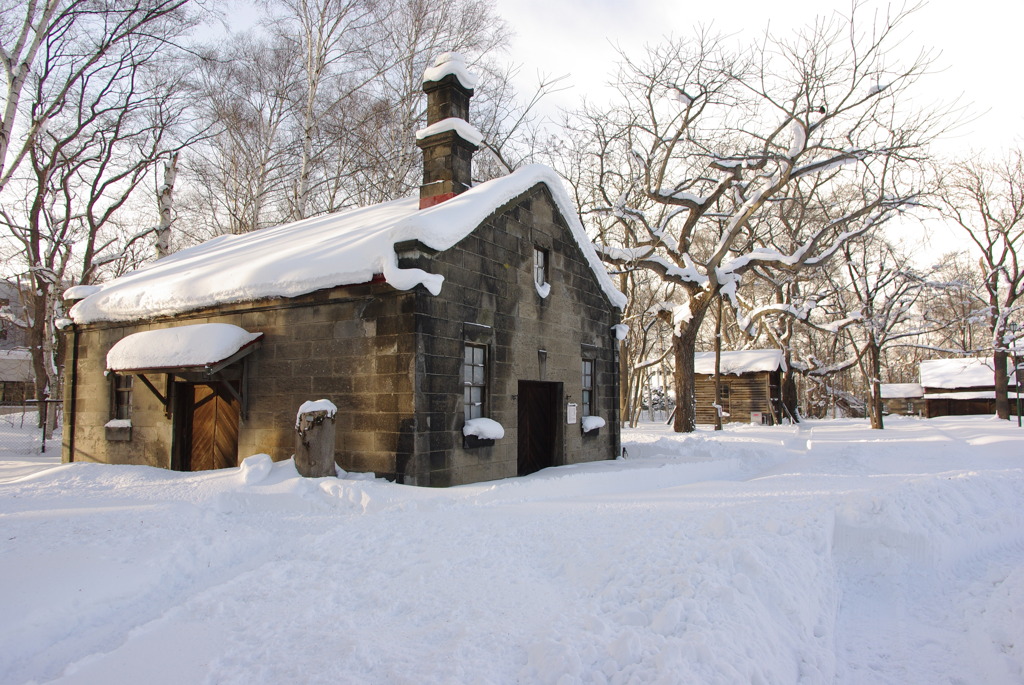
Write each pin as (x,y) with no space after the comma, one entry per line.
(825,554)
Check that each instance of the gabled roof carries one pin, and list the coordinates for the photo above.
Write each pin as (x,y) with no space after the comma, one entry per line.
(323,252)
(741,361)
(961,372)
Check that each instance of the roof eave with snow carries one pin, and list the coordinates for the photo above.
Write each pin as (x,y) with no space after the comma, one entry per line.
(345,248)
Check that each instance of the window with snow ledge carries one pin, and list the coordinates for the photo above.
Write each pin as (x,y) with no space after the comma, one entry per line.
(481,432)
(540,271)
(591,425)
(474,388)
(119,428)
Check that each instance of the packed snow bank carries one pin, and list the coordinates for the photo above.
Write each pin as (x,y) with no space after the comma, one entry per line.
(827,553)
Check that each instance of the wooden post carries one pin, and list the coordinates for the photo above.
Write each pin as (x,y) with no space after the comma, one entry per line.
(314,443)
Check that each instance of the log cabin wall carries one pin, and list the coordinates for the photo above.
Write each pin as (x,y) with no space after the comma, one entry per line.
(741,395)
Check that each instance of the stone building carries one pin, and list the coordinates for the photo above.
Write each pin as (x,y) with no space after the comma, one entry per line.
(750,381)
(465,335)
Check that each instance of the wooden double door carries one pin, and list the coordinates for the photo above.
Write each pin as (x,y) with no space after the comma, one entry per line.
(205,427)
(540,406)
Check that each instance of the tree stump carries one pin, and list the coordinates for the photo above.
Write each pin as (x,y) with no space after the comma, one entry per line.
(314,443)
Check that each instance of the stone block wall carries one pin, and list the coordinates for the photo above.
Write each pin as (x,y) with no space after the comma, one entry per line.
(353,346)
(489,298)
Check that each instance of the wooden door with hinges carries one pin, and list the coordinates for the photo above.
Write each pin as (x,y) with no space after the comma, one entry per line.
(205,427)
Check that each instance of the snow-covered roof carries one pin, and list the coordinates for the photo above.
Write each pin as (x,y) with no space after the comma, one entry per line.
(968,395)
(895,391)
(962,372)
(451,63)
(16,366)
(78,292)
(196,346)
(323,252)
(741,361)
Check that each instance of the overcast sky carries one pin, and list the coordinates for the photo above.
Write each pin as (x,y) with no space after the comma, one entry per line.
(977,41)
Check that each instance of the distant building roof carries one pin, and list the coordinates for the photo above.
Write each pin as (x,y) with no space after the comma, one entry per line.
(741,361)
(895,391)
(16,366)
(961,372)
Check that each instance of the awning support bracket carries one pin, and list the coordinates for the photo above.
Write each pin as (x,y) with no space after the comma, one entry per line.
(152,389)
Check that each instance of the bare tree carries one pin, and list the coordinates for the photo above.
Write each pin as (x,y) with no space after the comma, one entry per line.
(985,200)
(882,292)
(704,140)
(92,95)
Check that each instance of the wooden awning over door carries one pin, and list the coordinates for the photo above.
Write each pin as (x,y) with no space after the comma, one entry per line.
(198,353)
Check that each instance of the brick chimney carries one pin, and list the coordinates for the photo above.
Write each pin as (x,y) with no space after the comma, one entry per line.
(449,140)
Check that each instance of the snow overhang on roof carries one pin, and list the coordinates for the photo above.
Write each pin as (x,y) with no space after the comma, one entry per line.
(968,395)
(344,248)
(961,372)
(740,361)
(206,347)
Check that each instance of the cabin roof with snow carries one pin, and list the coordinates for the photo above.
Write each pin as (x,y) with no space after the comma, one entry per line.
(899,391)
(961,372)
(740,362)
(348,247)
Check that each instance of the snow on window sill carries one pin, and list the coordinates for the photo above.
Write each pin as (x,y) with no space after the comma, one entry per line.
(543,289)
(481,432)
(118,430)
(591,424)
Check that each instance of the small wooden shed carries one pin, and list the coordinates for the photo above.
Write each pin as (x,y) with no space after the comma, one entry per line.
(17,380)
(751,381)
(904,399)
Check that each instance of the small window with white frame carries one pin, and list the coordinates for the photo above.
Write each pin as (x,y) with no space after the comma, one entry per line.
(540,266)
(474,381)
(588,387)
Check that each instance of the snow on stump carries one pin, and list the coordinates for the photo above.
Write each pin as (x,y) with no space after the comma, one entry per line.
(314,439)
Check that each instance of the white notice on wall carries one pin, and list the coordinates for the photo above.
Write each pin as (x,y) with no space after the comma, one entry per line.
(570,413)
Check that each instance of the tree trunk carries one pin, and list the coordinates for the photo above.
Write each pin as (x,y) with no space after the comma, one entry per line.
(875,386)
(165,203)
(1001,380)
(314,444)
(683,348)
(789,394)
(718,368)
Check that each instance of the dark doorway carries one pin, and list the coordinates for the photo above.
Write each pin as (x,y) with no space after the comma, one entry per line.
(540,407)
(205,427)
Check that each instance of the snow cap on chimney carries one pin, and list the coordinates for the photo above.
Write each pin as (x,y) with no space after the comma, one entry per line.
(451,63)
(449,140)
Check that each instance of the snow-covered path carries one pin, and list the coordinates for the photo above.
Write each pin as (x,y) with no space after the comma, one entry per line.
(758,555)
